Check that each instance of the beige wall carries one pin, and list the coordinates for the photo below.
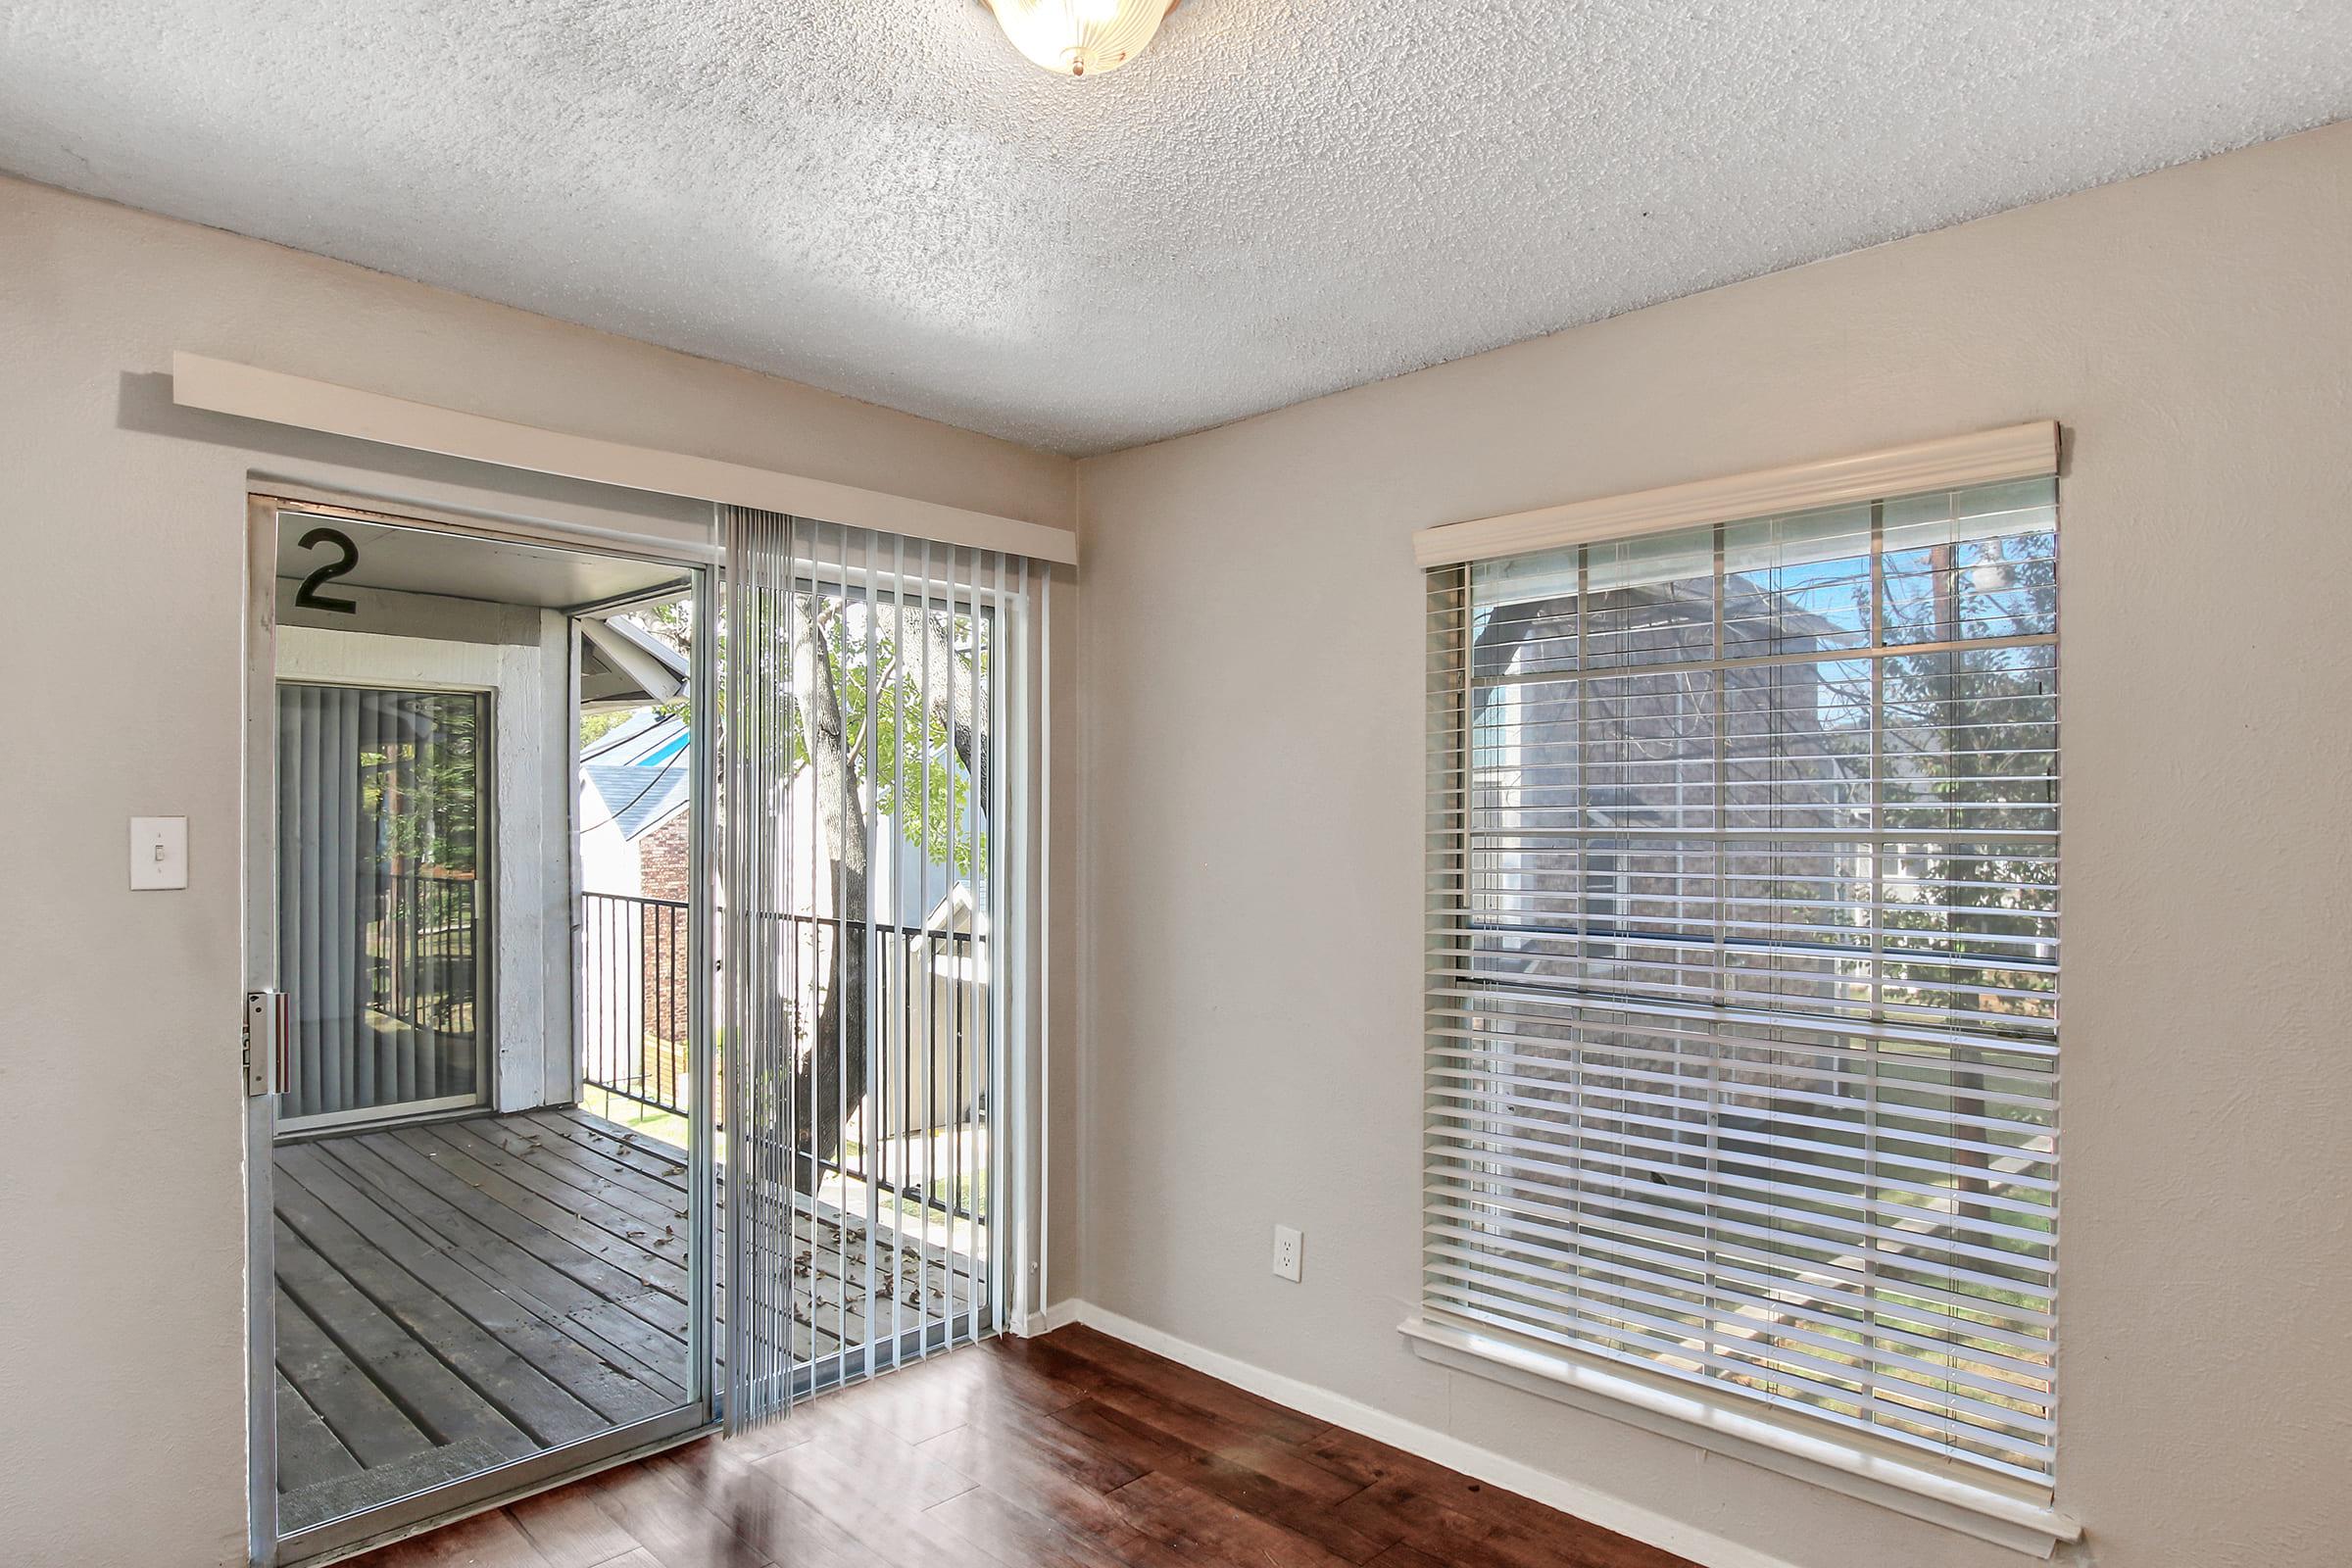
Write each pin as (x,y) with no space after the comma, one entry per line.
(1253,773)
(121,546)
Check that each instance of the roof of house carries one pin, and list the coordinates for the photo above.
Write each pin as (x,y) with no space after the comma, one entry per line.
(636,799)
(645,738)
(624,666)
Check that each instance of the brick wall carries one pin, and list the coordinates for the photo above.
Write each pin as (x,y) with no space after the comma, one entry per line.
(661,859)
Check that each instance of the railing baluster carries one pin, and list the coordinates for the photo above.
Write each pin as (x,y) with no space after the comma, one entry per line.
(646,1073)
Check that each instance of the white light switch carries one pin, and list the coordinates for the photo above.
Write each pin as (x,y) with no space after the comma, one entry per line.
(159,853)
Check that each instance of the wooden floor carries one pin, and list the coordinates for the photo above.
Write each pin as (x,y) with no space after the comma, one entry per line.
(460,1293)
(1073,1451)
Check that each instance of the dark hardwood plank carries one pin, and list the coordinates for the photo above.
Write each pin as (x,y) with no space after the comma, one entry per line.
(981,1387)
(567,1528)
(837,1436)
(1238,1477)
(1401,1556)
(880,1515)
(1182,1384)
(1015,1537)
(784,1525)
(486,1540)
(1048,1468)
(673,1524)
(1149,1430)
(1196,1524)
(1481,1540)
(1457,1518)
(1049,1453)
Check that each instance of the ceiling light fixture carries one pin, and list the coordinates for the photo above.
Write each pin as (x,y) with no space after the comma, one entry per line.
(1080,37)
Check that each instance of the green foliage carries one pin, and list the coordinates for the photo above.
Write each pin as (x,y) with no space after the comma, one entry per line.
(594,727)
(905,754)
(421,793)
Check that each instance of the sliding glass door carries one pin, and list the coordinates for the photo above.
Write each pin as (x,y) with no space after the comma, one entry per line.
(471,1273)
(384,901)
(871,827)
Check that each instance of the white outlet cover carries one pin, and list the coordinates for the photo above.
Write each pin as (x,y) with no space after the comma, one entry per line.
(1289,1250)
(159,853)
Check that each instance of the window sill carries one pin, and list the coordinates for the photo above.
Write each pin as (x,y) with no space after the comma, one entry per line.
(1736,1431)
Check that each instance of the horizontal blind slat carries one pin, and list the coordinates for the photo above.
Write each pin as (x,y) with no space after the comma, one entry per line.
(1742,962)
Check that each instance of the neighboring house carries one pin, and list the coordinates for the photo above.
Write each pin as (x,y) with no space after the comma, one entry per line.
(634,825)
(635,831)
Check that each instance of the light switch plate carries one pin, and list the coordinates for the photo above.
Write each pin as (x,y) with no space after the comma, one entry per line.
(159,853)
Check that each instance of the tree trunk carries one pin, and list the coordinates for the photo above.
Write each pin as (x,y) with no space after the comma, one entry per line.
(949,697)
(830,1081)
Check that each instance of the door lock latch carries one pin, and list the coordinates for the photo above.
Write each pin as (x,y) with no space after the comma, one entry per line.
(265,1032)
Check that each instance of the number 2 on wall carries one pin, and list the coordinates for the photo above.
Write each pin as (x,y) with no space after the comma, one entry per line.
(308,597)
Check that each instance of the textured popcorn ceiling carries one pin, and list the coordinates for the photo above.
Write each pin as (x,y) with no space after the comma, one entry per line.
(1281,198)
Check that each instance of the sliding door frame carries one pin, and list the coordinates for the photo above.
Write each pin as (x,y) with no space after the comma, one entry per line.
(266,1548)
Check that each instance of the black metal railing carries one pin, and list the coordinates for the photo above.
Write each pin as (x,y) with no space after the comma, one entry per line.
(922,1095)
(637,991)
(422,930)
(636,1032)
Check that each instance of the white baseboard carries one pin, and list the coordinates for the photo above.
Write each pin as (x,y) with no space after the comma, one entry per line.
(1059,1315)
(1606,1509)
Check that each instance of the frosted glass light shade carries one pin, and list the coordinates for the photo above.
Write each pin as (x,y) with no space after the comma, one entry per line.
(1080,37)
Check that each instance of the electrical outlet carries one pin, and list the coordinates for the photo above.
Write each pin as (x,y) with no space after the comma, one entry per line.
(1288,1245)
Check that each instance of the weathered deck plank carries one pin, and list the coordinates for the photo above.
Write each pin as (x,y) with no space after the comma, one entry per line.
(631,1346)
(520,1323)
(308,1453)
(409,1370)
(362,1417)
(490,1367)
(512,1206)
(458,1296)
(485,1211)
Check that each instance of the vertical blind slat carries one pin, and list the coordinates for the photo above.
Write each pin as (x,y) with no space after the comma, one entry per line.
(861,767)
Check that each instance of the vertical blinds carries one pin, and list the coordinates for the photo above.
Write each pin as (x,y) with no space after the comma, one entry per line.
(871,682)
(382,900)
(1743,980)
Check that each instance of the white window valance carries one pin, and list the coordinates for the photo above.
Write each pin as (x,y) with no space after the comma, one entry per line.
(2015,451)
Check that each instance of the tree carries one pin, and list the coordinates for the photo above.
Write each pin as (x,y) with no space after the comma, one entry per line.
(886,711)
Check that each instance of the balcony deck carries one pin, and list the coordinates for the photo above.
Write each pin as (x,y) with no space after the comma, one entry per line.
(456,1295)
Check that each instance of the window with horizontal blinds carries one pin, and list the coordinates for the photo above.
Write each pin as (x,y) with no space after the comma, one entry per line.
(1743,996)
